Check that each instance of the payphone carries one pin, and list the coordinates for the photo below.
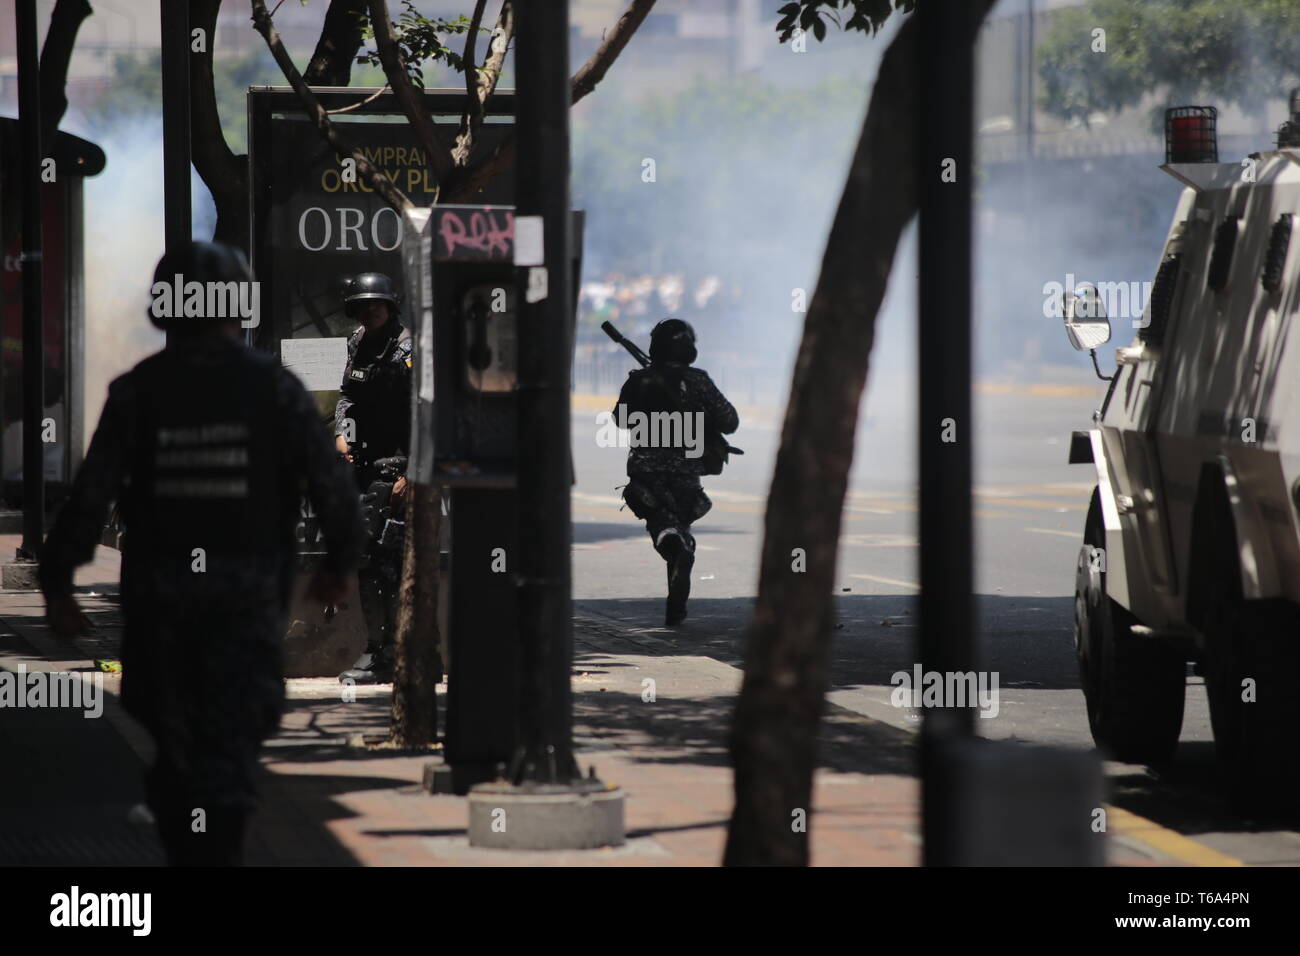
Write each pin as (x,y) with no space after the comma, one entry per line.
(461,286)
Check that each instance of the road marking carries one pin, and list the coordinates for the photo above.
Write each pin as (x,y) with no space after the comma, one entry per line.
(1064,534)
(1005,501)
(880,540)
(1166,841)
(734,496)
(894,581)
(596,499)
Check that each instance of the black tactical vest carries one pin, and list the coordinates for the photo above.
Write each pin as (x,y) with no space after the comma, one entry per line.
(377,379)
(205,470)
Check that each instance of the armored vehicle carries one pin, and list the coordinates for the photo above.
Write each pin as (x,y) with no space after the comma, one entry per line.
(1191,546)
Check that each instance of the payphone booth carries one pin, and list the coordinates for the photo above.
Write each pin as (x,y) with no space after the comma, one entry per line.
(460,269)
(63,272)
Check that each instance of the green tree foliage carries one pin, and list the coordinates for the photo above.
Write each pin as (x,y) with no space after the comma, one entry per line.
(420,40)
(1239,52)
(811,16)
(136,87)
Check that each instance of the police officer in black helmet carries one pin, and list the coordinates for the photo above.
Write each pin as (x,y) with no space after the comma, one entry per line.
(207,447)
(372,427)
(663,486)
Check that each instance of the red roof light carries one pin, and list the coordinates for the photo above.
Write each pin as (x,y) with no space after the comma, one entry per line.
(1191,134)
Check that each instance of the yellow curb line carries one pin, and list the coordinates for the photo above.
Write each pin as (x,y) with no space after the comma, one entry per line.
(1040,391)
(587,402)
(1166,841)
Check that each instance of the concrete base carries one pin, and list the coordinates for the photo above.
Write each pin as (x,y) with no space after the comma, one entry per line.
(580,816)
(20,576)
(457,779)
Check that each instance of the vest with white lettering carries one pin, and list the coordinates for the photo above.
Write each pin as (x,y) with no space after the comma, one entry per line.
(205,471)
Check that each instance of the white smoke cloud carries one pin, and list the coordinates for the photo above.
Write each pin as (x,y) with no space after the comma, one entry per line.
(124,239)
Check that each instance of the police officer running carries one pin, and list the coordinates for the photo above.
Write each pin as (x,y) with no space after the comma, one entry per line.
(372,428)
(664,481)
(207,446)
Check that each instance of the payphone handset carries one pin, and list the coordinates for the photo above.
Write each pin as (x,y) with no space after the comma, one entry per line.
(489,359)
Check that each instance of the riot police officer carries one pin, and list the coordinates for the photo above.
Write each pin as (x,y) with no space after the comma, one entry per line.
(372,427)
(207,447)
(663,486)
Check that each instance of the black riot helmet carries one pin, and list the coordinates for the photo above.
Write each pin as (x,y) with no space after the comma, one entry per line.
(203,262)
(367,287)
(672,340)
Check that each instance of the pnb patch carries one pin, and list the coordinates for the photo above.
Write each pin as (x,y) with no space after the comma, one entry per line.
(359,374)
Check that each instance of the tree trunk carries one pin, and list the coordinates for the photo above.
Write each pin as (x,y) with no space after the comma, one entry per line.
(418,667)
(224,173)
(774,734)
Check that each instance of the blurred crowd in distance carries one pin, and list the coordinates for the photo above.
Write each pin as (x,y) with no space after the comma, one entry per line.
(636,302)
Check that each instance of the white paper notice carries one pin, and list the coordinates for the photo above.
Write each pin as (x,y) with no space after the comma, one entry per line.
(318,362)
(529,245)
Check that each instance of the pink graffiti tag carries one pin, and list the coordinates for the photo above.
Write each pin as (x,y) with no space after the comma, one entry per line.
(486,234)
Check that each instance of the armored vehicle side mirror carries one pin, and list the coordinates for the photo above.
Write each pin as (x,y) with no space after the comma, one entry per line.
(1086,323)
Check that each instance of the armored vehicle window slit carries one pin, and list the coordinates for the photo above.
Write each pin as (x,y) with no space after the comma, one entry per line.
(1275,258)
(1162,297)
(1225,241)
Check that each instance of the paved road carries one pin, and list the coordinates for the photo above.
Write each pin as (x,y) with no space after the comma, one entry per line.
(1030,509)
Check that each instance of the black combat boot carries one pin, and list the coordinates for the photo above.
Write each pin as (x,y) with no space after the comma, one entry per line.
(372,667)
(681,560)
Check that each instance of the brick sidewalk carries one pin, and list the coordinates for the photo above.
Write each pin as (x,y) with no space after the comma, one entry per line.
(329,803)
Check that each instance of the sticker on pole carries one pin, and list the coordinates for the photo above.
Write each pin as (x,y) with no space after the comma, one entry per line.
(536,290)
(529,245)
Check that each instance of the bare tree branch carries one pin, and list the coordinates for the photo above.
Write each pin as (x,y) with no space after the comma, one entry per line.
(340,39)
(471,41)
(360,103)
(468,181)
(480,89)
(412,103)
(594,70)
(381,183)
(56,53)
(465,183)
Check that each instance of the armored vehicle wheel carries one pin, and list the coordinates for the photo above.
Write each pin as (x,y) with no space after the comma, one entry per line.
(1133,685)
(1252,663)
(1263,761)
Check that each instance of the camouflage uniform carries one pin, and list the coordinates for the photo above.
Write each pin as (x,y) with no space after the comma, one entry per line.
(376,397)
(205,445)
(664,484)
